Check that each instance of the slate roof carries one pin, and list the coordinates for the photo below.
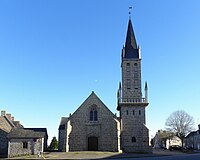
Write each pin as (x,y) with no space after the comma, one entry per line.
(17,124)
(9,121)
(191,134)
(131,49)
(42,130)
(25,133)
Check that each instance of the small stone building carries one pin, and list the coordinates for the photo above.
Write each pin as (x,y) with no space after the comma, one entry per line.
(26,142)
(91,127)
(7,122)
(43,131)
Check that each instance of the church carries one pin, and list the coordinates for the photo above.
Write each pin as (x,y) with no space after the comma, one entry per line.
(93,127)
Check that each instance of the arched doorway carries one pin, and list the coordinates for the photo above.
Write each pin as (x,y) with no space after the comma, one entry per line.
(92,143)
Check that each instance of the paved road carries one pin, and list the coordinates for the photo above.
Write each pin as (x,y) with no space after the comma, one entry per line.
(156,155)
(174,157)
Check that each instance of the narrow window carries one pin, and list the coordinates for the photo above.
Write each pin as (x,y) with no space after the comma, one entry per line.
(128,73)
(135,67)
(135,75)
(127,112)
(128,67)
(139,112)
(133,112)
(133,139)
(128,83)
(91,115)
(25,145)
(95,115)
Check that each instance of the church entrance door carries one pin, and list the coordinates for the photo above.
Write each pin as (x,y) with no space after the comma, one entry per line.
(92,144)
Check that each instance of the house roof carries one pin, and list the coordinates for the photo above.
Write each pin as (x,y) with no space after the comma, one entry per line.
(17,124)
(42,130)
(25,133)
(9,121)
(191,134)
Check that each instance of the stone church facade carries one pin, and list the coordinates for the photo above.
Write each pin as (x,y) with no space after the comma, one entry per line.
(94,127)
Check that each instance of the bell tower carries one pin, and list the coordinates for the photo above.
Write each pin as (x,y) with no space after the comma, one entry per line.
(131,104)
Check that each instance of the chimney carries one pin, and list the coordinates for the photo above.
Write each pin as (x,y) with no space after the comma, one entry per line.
(9,116)
(199,127)
(13,118)
(3,113)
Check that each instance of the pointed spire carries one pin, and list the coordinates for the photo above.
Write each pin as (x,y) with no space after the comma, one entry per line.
(146,87)
(119,91)
(123,51)
(131,50)
(146,92)
(130,36)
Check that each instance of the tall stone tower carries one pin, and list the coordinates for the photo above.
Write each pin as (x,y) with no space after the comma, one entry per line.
(131,104)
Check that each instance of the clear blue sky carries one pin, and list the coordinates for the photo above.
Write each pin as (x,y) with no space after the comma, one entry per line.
(53,54)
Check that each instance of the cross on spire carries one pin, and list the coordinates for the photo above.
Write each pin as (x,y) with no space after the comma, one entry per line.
(130,8)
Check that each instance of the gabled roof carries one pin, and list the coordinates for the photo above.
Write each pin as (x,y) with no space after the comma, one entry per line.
(95,98)
(191,134)
(131,49)
(42,130)
(23,133)
(9,121)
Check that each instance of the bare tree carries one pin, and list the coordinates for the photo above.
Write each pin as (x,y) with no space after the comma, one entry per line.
(180,123)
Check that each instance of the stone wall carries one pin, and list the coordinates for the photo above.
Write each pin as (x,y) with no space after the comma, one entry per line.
(64,130)
(68,131)
(3,143)
(5,128)
(131,78)
(62,140)
(134,134)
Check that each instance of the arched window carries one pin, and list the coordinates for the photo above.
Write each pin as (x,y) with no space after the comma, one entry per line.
(128,84)
(93,114)
(133,139)
(133,112)
(135,67)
